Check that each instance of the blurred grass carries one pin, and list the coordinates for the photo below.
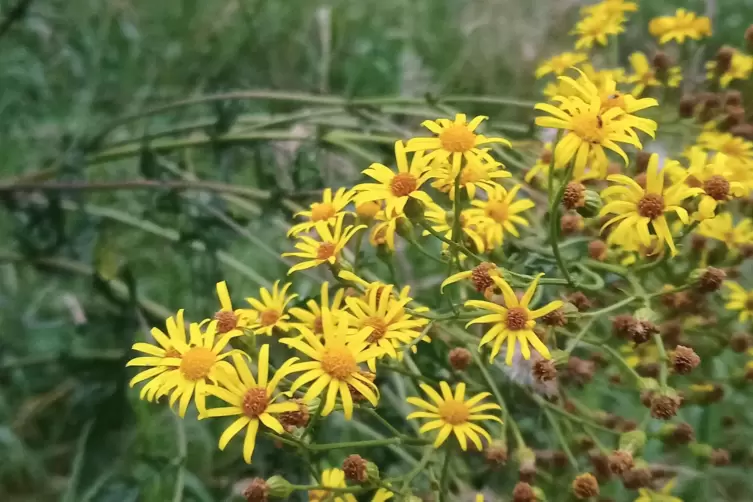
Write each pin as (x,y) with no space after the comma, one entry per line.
(69,429)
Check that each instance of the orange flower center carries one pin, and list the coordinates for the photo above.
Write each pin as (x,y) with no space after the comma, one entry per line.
(651,206)
(269,317)
(226,321)
(379,327)
(403,184)
(517,317)
(196,363)
(255,402)
(472,174)
(338,362)
(457,138)
(716,187)
(588,127)
(320,212)
(498,211)
(454,412)
(325,251)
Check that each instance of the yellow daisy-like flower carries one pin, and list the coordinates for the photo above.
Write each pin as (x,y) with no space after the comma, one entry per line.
(455,140)
(499,214)
(474,176)
(739,299)
(589,130)
(166,348)
(740,68)
(644,75)
(646,495)
(451,413)
(251,398)
(637,208)
(383,233)
(514,322)
(385,321)
(594,29)
(229,319)
(735,147)
(715,179)
(336,358)
(325,249)
(311,317)
(560,63)
(380,287)
(198,364)
(682,25)
(326,210)
(723,228)
(270,310)
(332,478)
(480,276)
(396,188)
(442,220)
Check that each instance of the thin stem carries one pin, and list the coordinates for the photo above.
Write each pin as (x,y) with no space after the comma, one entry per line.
(617,357)
(359,444)
(428,452)
(574,342)
(561,438)
(443,477)
(616,306)
(381,420)
(663,368)
(453,245)
(574,418)
(554,223)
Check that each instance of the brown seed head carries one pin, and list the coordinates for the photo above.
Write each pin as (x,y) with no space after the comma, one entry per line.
(628,425)
(687,105)
(357,396)
(651,206)
(517,317)
(555,318)
(636,478)
(257,491)
(697,242)
(585,486)
(671,332)
(683,433)
(642,331)
(354,468)
(622,325)
(597,250)
(646,396)
(641,161)
(620,461)
(733,98)
(664,406)
(716,187)
(298,418)
(580,301)
(496,453)
(481,277)
(580,370)
(460,358)
(226,321)
(571,223)
(600,463)
(684,360)
(746,250)
(711,280)
(527,473)
(544,370)
(735,116)
(740,342)
(574,195)
(661,61)
(523,492)
(724,58)
(719,457)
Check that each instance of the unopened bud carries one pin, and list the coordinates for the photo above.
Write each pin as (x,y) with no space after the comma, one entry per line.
(597,250)
(592,205)
(496,453)
(279,487)
(460,358)
(414,210)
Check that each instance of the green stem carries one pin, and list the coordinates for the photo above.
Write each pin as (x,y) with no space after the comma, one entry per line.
(443,477)
(554,223)
(574,342)
(574,418)
(362,444)
(615,306)
(561,438)
(663,368)
(420,467)
(617,357)
(455,246)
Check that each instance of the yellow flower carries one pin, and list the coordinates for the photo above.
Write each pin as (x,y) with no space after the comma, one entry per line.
(454,141)
(442,223)
(312,316)
(715,179)
(734,147)
(588,129)
(560,63)
(380,287)
(636,208)
(480,276)
(499,214)
(176,337)
(381,495)
(596,28)
(740,68)
(644,74)
(514,321)
(335,363)
(723,228)
(384,320)
(384,232)
(229,320)
(326,210)
(396,188)
(332,478)
(197,364)
(646,495)
(270,311)
(542,164)
(251,398)
(327,248)
(739,299)
(451,413)
(682,25)
(475,175)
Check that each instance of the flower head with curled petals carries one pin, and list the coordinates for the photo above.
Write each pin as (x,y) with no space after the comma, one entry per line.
(682,25)
(740,68)
(229,319)
(724,229)
(663,495)
(193,367)
(451,413)
(254,399)
(384,229)
(332,478)
(455,140)
(442,220)
(595,28)
(645,76)
(270,310)
(336,357)
(311,316)
(396,188)
(559,63)
(473,176)
(498,215)
(637,208)
(326,248)
(327,210)
(513,322)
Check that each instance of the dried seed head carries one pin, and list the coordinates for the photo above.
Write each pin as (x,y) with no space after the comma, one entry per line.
(481,276)
(641,161)
(600,463)
(597,250)
(661,61)
(735,116)
(683,433)
(711,280)
(298,418)
(496,453)
(555,318)
(746,250)
(664,406)
(684,360)
(642,331)
(671,332)
(523,492)
(628,425)
(580,301)
(226,321)
(357,396)
(687,105)
(620,461)
(646,396)
(719,457)
(740,342)
(580,370)
(257,491)
(574,195)
(636,478)
(571,223)
(354,468)
(460,358)
(622,325)
(648,370)
(724,59)
(544,370)
(585,486)
(698,242)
